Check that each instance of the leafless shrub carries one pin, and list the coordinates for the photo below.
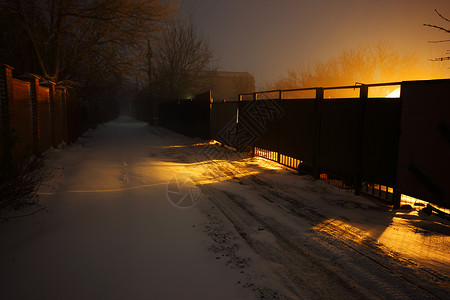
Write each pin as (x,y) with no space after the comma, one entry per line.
(19,184)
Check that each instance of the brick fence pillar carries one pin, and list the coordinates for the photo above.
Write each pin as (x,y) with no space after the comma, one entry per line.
(6,95)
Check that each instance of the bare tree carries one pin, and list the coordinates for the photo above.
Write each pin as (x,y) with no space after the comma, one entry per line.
(446,30)
(244,85)
(18,185)
(68,35)
(178,60)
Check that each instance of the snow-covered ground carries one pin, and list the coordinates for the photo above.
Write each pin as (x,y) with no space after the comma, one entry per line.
(139,212)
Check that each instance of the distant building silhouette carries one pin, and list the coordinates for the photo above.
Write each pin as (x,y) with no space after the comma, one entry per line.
(226,86)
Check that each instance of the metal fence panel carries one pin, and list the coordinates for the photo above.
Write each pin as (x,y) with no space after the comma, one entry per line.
(424,149)
(258,124)
(338,136)
(296,131)
(223,122)
(380,140)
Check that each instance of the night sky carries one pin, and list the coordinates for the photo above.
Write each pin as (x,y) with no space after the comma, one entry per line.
(267,37)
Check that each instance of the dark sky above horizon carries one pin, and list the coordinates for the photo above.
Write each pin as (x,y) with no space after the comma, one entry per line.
(267,37)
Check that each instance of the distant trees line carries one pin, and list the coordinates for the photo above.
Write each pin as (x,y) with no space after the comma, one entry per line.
(367,63)
(98,47)
(177,62)
(92,46)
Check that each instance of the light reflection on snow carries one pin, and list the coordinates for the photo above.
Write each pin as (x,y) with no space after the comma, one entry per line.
(104,190)
(408,234)
(266,164)
(190,145)
(216,179)
(421,244)
(339,228)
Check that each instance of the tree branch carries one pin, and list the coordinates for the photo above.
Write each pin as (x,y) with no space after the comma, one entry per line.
(437,27)
(441,41)
(441,16)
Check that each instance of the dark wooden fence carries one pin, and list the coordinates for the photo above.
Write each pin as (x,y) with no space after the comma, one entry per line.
(381,146)
(424,144)
(352,140)
(190,117)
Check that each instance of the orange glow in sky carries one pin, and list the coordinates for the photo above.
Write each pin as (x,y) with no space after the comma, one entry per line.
(266,38)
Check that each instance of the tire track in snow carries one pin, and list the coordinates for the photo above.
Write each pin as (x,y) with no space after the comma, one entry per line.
(353,269)
(346,277)
(420,283)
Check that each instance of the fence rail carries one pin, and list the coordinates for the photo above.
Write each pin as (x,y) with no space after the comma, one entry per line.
(281,92)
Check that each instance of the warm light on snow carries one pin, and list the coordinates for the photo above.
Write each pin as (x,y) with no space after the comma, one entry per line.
(265,164)
(114,207)
(405,237)
(402,236)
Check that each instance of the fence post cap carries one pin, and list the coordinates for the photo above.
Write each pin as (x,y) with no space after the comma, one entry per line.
(8,67)
(30,78)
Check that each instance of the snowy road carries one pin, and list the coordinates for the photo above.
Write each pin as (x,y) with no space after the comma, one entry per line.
(117,226)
